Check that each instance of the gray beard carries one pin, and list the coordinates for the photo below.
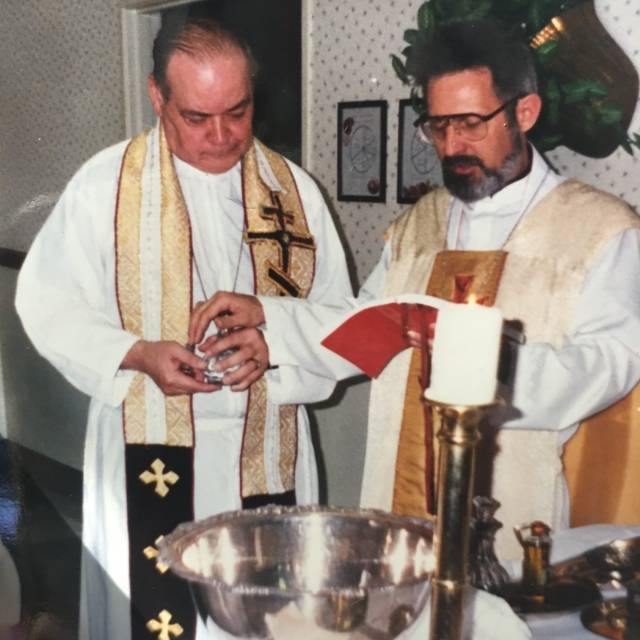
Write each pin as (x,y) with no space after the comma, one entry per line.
(467,189)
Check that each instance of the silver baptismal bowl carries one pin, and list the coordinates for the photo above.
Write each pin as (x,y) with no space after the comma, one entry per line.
(292,572)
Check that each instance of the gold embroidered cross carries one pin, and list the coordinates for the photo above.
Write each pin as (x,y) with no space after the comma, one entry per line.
(159,477)
(151,552)
(163,628)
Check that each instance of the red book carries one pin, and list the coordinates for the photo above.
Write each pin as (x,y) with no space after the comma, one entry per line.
(371,335)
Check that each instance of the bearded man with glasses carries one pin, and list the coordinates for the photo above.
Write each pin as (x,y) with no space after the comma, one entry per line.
(558,257)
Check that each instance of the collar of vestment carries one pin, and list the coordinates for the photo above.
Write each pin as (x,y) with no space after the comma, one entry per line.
(486,224)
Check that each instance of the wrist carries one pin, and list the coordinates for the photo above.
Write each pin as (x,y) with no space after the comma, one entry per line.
(133,358)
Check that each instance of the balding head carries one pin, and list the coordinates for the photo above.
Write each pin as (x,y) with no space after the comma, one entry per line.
(199,38)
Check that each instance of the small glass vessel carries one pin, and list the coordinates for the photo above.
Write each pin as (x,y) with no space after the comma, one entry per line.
(485,571)
(535,564)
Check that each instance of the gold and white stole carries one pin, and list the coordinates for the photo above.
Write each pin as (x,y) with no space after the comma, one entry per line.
(154,292)
(283,255)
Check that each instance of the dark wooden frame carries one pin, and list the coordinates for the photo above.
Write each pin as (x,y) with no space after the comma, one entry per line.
(381,134)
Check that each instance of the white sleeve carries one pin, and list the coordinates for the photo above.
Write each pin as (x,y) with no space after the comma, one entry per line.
(295,328)
(66,291)
(599,361)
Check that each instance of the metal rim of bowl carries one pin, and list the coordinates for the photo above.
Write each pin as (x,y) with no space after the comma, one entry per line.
(170,556)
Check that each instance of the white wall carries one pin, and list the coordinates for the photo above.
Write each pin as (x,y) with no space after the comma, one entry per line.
(61,101)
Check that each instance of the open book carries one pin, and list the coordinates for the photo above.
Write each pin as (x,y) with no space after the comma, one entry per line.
(371,335)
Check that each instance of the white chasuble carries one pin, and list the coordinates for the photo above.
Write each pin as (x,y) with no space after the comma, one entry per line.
(527,471)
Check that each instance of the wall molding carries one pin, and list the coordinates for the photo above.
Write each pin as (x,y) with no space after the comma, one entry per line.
(11,258)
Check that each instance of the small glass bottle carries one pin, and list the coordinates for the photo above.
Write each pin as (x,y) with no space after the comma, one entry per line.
(535,564)
(485,571)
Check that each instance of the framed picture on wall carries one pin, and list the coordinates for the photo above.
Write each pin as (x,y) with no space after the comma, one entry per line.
(418,165)
(362,151)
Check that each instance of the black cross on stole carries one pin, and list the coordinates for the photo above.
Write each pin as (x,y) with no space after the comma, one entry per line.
(285,239)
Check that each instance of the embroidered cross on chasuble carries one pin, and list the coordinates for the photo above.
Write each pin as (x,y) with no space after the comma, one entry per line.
(159,430)
(456,276)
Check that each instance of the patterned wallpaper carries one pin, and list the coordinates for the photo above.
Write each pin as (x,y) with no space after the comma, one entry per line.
(350,47)
(61,101)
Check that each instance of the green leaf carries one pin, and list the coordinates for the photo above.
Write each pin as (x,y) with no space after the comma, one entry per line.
(552,90)
(597,89)
(588,119)
(553,111)
(411,36)
(481,11)
(609,114)
(583,90)
(425,17)
(441,9)
(636,139)
(576,91)
(535,17)
(399,68)
(546,51)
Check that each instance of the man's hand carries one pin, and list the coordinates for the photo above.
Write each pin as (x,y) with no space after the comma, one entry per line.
(251,356)
(227,310)
(163,361)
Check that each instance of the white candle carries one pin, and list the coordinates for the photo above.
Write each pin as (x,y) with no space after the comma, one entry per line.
(466,347)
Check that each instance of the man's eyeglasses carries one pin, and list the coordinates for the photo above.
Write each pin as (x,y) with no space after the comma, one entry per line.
(471,126)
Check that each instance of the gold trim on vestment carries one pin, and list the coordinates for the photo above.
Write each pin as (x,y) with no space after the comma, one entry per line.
(283,254)
(176,303)
(456,276)
(176,287)
(609,442)
(481,270)
(128,279)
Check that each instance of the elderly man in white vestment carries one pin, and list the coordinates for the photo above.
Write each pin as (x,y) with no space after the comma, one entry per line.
(556,255)
(144,232)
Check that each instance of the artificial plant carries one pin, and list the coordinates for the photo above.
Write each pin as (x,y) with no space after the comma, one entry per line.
(566,100)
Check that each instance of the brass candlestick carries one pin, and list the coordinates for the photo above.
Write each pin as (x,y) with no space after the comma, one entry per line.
(459,434)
